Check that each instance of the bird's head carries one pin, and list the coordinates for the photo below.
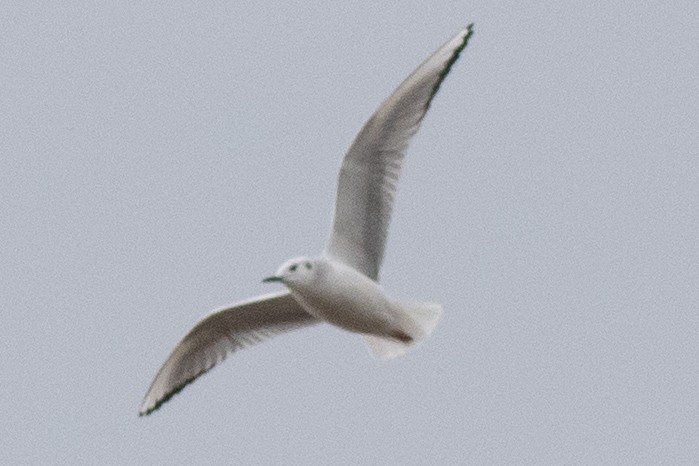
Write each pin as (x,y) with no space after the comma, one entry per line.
(296,273)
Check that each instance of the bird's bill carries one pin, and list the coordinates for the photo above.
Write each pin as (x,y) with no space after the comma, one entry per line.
(271,279)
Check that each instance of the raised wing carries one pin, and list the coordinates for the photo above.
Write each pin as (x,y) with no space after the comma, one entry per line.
(371,168)
(219,334)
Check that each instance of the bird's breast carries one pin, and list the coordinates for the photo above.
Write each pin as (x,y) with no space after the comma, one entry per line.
(348,299)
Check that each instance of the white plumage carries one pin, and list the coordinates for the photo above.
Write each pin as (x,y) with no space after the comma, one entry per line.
(341,286)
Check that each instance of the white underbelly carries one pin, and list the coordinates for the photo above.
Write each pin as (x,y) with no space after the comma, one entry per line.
(356,315)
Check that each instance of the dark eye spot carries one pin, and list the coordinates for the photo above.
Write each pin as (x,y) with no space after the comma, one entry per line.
(308,265)
(293,268)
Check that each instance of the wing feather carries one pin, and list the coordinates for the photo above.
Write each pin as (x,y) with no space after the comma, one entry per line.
(219,334)
(371,168)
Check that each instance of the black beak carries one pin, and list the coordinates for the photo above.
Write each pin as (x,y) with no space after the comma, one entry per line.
(272,279)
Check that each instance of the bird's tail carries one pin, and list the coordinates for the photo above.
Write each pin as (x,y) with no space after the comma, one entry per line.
(420,321)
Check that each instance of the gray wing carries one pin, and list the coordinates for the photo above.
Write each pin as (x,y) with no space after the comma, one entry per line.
(219,334)
(371,168)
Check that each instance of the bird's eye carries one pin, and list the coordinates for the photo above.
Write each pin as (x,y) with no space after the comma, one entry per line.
(293,268)
(308,265)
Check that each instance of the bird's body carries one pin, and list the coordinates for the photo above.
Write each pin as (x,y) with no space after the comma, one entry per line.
(341,286)
(340,295)
(336,293)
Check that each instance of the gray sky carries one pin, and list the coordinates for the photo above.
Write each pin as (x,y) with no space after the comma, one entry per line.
(156,162)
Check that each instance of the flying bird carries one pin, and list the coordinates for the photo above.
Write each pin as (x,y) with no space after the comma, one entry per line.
(341,285)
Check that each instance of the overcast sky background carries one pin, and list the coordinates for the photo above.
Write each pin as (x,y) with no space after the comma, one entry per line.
(157,161)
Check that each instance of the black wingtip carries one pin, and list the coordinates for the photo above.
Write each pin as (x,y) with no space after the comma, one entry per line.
(447,66)
(166,398)
(454,56)
(170,394)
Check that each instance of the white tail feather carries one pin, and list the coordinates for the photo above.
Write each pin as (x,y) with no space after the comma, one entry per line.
(421,319)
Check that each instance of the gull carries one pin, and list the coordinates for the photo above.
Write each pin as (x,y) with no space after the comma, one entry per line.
(341,285)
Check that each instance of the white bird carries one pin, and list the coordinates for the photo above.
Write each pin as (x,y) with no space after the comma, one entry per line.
(340,286)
